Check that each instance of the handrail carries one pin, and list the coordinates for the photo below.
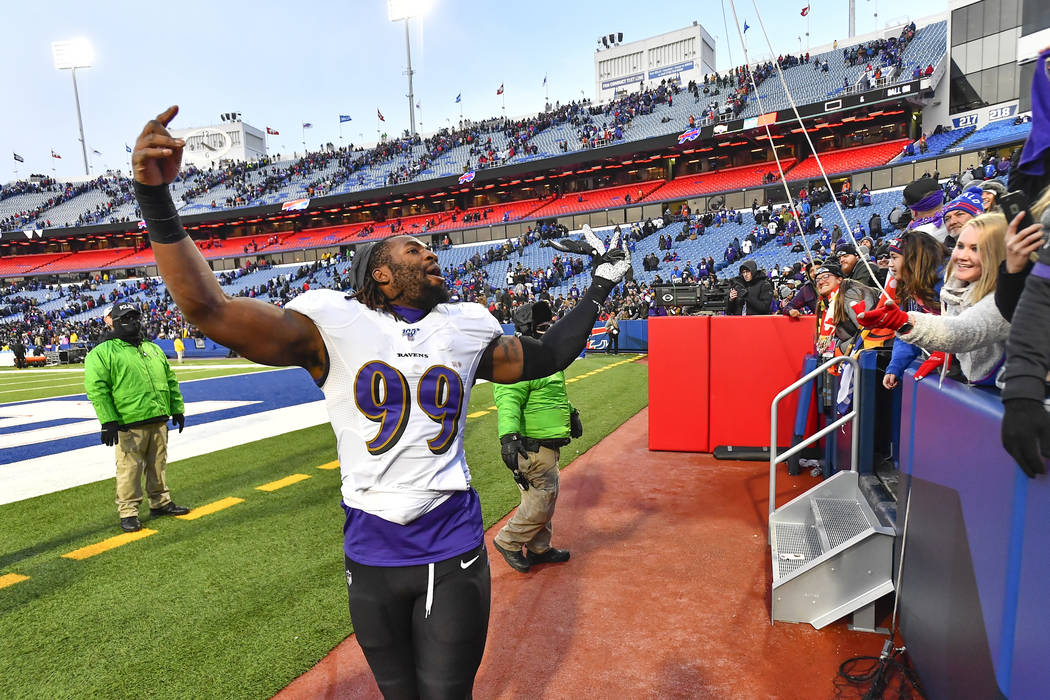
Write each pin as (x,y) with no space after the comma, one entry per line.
(775,459)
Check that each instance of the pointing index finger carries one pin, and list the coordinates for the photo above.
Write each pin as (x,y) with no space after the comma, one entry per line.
(167,115)
(162,121)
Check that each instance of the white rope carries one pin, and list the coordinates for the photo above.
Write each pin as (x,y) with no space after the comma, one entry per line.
(769,135)
(847,231)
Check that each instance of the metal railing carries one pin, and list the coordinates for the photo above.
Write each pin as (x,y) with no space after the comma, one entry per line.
(775,459)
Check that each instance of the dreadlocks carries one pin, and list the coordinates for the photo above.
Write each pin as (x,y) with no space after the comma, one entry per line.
(370,294)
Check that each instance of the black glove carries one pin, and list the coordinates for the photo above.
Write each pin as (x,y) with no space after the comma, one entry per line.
(109,433)
(510,448)
(178,419)
(575,424)
(1026,434)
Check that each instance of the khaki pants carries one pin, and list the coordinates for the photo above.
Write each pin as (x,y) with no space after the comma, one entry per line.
(531,523)
(142,449)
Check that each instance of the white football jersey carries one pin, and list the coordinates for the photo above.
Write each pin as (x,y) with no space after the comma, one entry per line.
(397,396)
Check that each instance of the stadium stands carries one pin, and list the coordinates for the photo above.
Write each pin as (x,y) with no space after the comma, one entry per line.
(997,133)
(574,127)
(937,144)
(719,180)
(846,160)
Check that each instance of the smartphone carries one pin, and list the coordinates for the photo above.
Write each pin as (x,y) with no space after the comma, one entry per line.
(1013,203)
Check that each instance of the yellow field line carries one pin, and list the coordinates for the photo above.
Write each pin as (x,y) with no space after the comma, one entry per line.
(478,414)
(108,544)
(281,483)
(11,579)
(329,465)
(221,504)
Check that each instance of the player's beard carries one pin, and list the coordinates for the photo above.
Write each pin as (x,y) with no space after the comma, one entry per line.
(414,289)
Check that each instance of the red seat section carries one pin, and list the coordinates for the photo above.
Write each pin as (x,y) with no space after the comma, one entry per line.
(595,200)
(847,160)
(85,260)
(18,265)
(514,211)
(719,180)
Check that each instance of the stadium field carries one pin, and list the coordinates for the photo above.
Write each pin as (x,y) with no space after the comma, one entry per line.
(47,382)
(236,599)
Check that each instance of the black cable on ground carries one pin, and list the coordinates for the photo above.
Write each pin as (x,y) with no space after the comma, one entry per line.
(872,676)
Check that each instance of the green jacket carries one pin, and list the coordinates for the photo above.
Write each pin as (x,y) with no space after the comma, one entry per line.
(538,408)
(129,384)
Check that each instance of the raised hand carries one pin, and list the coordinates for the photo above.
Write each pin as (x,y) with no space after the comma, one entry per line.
(611,264)
(888,315)
(157,156)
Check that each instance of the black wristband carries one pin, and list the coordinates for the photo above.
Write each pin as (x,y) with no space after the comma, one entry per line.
(158,211)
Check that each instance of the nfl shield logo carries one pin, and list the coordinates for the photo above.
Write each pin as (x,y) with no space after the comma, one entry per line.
(409,333)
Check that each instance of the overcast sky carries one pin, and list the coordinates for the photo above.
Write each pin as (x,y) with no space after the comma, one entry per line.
(282,64)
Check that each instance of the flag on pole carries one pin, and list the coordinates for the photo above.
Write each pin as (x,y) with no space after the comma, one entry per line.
(545,81)
(127,148)
(97,153)
(458,97)
(272,132)
(55,155)
(380,115)
(805,10)
(18,158)
(419,106)
(746,27)
(307,125)
(344,118)
(500,91)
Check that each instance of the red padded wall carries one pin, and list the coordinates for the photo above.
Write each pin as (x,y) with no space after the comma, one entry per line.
(752,359)
(678,383)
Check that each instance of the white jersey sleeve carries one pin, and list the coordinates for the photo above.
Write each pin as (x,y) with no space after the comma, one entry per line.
(397,396)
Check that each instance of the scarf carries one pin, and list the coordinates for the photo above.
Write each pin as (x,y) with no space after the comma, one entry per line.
(933,199)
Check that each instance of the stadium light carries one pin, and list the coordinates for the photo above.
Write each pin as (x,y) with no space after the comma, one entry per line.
(70,55)
(404,10)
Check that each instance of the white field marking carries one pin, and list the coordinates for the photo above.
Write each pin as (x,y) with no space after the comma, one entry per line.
(45,383)
(88,423)
(58,370)
(42,475)
(181,380)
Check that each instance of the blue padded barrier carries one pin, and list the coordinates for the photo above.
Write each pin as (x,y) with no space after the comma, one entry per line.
(974,597)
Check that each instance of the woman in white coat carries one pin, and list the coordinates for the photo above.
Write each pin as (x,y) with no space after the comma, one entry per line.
(969,325)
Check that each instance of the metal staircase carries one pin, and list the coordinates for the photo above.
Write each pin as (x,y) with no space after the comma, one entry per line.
(831,553)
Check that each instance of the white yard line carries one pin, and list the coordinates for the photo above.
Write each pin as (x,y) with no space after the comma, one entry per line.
(43,475)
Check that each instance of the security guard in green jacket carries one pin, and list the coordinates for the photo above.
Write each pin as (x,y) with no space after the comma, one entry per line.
(535,420)
(130,384)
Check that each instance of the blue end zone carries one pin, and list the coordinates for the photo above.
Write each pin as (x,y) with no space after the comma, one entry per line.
(267,391)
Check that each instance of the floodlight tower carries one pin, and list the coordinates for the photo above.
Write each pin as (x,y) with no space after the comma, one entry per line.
(399,10)
(70,55)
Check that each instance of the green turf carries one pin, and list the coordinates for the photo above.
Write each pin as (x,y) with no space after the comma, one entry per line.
(69,379)
(238,603)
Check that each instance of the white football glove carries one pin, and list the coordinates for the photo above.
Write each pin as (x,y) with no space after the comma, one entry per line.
(612,264)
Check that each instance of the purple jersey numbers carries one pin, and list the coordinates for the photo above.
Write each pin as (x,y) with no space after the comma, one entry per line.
(382,396)
(440,396)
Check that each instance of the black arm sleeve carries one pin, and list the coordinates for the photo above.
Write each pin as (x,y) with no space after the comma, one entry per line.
(560,345)
(1028,347)
(1008,290)
(159,213)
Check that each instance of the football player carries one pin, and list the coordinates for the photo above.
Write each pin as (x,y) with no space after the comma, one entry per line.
(396,364)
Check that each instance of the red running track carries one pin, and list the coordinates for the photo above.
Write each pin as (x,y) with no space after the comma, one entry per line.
(666,594)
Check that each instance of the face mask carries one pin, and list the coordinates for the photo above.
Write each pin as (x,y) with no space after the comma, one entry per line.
(128,329)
